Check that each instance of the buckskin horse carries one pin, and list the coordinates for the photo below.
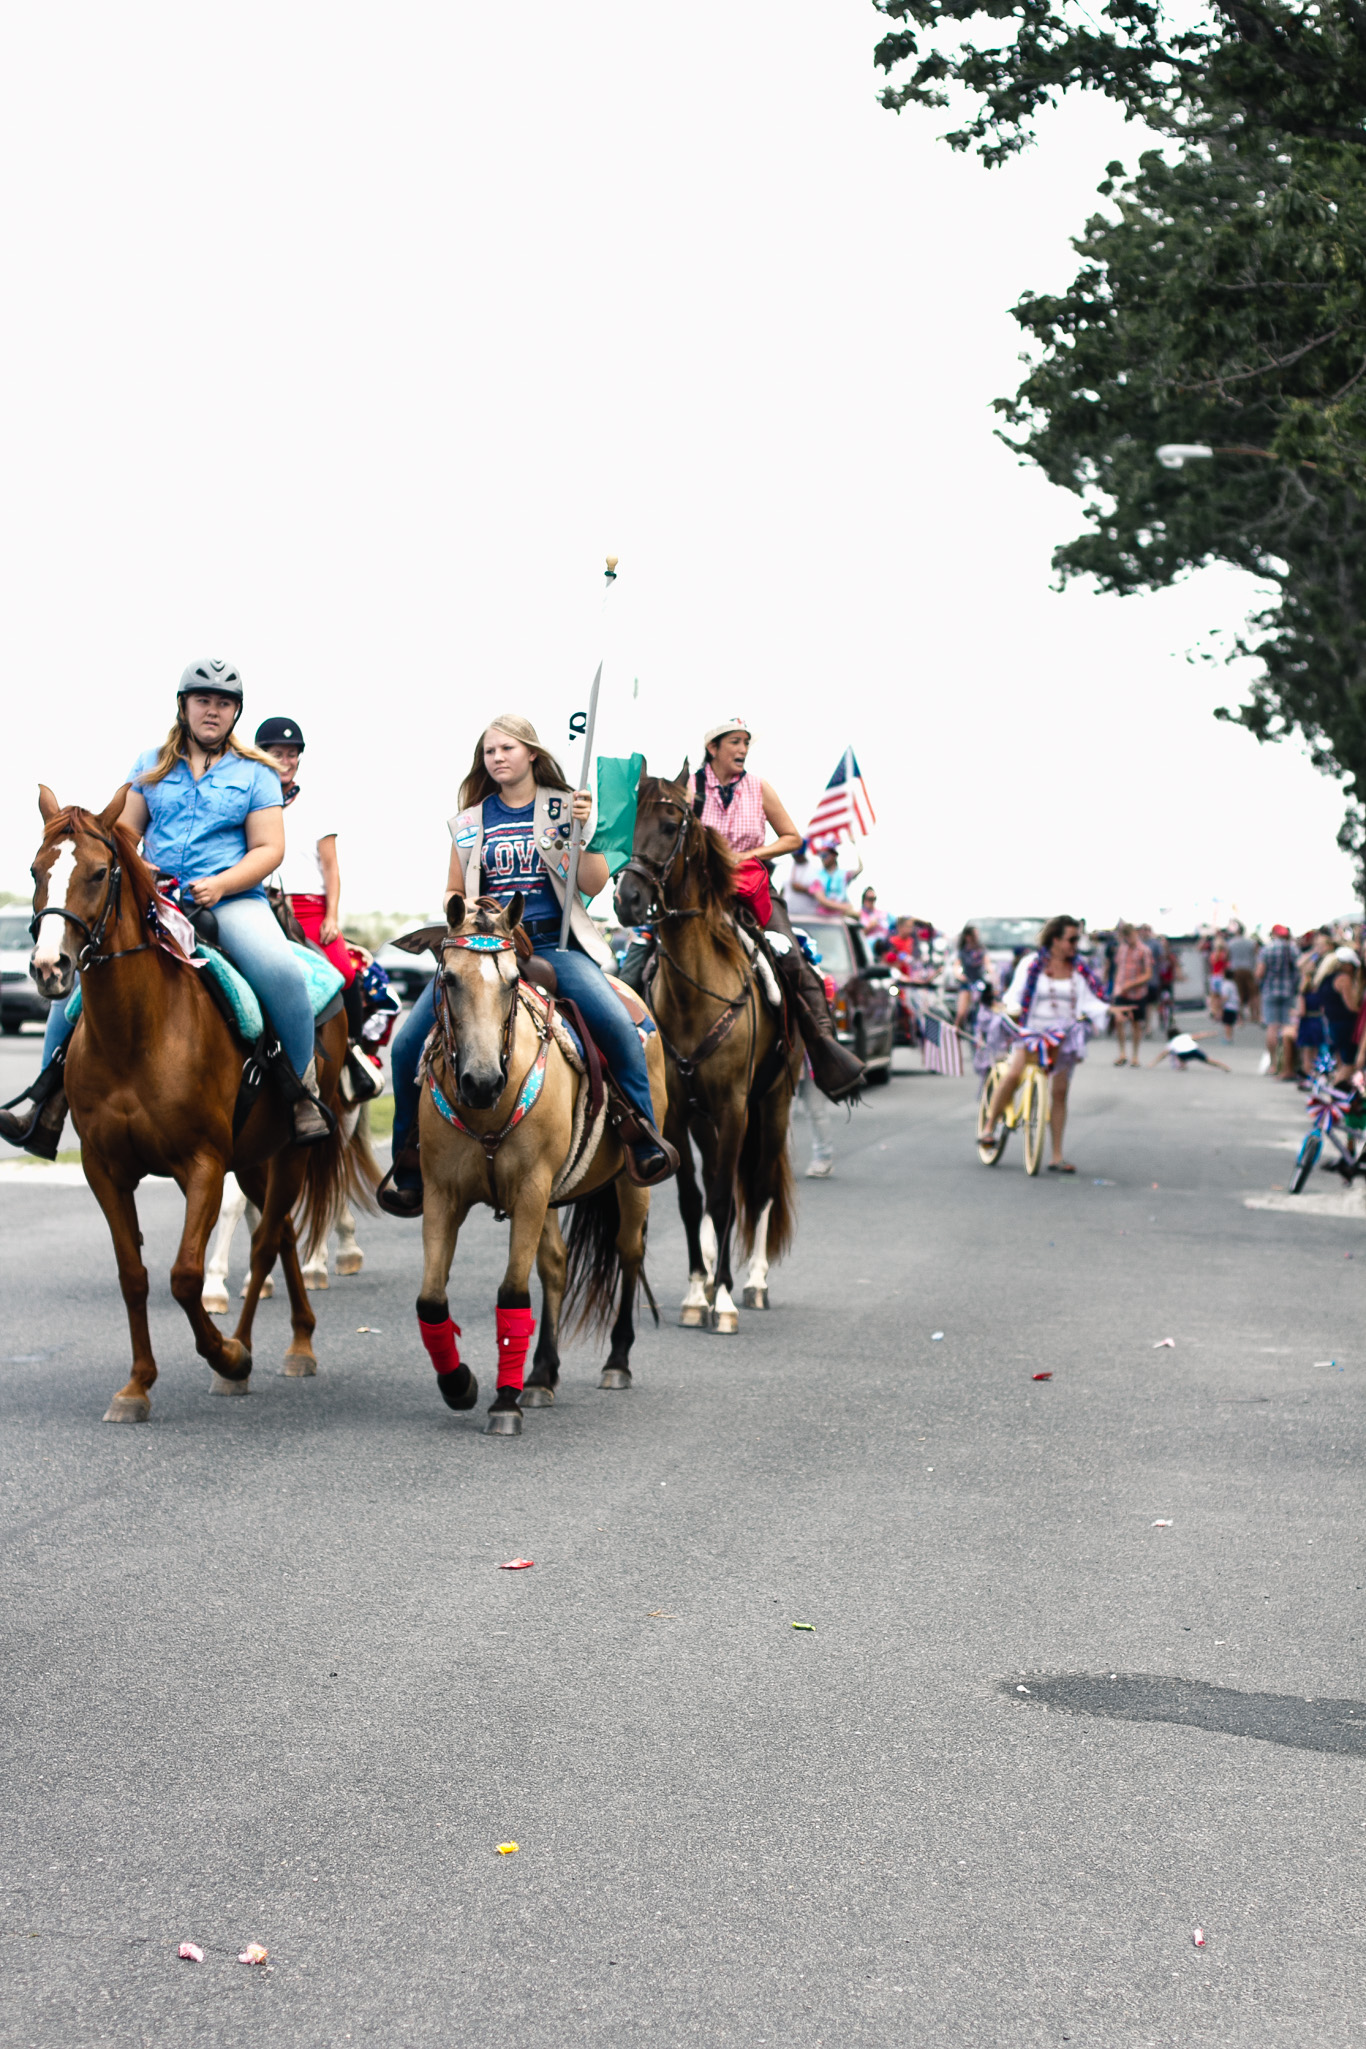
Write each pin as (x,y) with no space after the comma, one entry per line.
(152,1077)
(731,1068)
(513,1116)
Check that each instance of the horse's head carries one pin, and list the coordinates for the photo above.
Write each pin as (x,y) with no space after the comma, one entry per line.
(74,887)
(477,967)
(657,847)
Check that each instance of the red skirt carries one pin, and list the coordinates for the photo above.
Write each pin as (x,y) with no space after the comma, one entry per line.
(310,912)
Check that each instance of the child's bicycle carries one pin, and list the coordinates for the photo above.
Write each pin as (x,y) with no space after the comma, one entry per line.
(1030,1106)
(1336,1114)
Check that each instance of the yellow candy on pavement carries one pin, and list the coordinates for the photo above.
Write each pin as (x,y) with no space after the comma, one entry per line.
(507,1849)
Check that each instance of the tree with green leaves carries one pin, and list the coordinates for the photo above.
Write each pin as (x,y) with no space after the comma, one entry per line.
(1221,300)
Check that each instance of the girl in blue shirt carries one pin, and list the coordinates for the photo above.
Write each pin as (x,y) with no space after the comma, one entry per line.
(498,803)
(209,811)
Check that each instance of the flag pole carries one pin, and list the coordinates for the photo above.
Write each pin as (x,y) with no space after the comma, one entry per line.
(571,881)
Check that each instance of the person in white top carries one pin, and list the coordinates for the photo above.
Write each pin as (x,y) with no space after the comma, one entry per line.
(309,875)
(1051,992)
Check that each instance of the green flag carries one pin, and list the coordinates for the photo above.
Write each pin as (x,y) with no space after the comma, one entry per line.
(618,780)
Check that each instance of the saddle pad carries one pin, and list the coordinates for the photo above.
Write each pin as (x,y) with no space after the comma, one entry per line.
(323,980)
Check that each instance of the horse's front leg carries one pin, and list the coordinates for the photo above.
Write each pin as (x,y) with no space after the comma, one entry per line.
(634,1207)
(695,1306)
(220,1252)
(514,1318)
(718,1223)
(552,1261)
(132,1403)
(350,1258)
(443,1212)
(756,1280)
(229,1358)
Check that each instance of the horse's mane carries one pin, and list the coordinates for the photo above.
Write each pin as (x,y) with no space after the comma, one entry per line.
(714,871)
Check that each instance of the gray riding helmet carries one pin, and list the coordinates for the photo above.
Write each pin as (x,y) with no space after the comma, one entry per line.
(211,675)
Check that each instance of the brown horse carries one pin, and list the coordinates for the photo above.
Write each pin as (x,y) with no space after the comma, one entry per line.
(506,1120)
(731,1070)
(152,1075)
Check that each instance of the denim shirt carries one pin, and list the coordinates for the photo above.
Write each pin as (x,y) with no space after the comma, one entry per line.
(198,829)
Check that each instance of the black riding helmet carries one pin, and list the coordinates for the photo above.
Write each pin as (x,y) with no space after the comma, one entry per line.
(280,733)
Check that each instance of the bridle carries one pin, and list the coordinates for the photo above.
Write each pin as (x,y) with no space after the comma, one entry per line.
(532,1081)
(655,874)
(92,953)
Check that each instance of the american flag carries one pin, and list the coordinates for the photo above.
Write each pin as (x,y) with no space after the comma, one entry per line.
(845,807)
(940,1045)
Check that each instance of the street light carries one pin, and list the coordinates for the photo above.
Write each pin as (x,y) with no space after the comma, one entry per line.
(1174,455)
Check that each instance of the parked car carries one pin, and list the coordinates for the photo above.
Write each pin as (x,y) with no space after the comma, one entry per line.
(20,1002)
(409,973)
(864,1008)
(1004,939)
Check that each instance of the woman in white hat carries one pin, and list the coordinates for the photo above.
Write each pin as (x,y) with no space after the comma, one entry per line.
(745,811)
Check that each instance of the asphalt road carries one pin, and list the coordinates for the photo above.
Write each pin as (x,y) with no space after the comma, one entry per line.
(264,1680)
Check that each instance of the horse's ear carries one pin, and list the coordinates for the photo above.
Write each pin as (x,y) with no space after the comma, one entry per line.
(113,810)
(418,942)
(682,777)
(47,804)
(511,914)
(644,775)
(455,913)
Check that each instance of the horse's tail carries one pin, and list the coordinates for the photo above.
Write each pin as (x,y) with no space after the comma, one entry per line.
(754,1188)
(594,1269)
(341,1169)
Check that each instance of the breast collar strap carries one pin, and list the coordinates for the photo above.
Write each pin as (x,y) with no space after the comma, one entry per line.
(532,1082)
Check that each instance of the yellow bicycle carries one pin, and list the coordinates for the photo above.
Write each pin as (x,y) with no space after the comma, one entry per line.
(1031,1106)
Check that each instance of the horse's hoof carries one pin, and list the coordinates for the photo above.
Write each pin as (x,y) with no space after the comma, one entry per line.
(504,1423)
(128,1408)
(220,1384)
(613,1376)
(215,1301)
(298,1366)
(536,1397)
(692,1318)
(756,1298)
(725,1322)
(314,1281)
(267,1289)
(350,1262)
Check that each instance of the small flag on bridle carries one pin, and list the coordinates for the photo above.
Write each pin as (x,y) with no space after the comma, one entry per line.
(845,810)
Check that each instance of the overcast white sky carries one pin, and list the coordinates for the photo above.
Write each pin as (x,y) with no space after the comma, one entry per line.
(346,342)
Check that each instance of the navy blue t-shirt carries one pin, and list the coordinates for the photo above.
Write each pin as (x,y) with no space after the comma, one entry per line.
(511,861)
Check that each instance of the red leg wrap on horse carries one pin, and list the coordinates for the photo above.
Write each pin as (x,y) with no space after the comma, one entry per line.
(515,1327)
(442,1350)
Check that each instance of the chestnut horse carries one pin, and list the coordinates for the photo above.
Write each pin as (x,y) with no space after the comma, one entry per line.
(731,1073)
(152,1075)
(503,1122)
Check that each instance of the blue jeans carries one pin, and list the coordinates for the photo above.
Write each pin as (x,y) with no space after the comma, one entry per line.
(584,983)
(255,944)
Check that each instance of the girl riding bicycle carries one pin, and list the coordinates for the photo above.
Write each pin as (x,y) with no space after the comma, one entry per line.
(1053,996)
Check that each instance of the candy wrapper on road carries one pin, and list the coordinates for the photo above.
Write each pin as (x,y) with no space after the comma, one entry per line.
(254,1953)
(190,1953)
(1198,1938)
(517,1565)
(508,1849)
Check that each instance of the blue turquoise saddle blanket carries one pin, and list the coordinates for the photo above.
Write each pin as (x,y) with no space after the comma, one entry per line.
(322,978)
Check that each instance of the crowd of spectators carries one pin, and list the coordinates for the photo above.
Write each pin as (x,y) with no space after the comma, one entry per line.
(1306,992)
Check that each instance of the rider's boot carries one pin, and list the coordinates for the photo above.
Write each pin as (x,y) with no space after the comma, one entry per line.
(312,1123)
(837,1072)
(39,1131)
(400,1192)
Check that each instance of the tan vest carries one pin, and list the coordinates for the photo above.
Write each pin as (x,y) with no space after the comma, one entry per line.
(550,824)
